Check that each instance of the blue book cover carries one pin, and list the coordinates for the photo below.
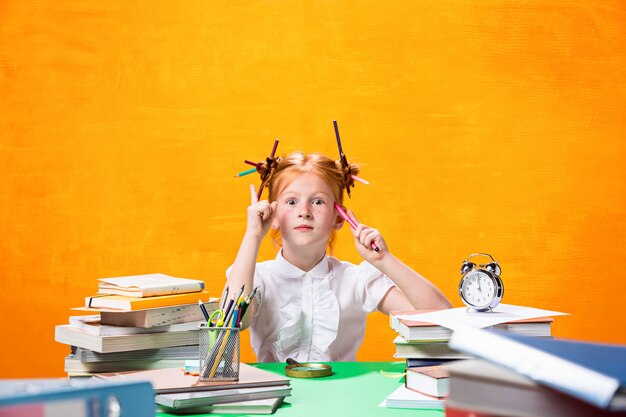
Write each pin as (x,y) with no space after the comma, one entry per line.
(76,398)
(607,359)
(592,372)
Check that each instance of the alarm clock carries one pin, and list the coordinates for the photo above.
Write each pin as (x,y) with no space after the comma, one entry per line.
(481,288)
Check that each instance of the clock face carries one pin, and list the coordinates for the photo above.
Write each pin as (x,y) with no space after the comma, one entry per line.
(478,289)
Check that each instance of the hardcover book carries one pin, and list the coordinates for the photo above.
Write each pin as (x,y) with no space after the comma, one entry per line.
(121,302)
(61,397)
(489,389)
(430,380)
(185,400)
(425,350)
(266,406)
(592,372)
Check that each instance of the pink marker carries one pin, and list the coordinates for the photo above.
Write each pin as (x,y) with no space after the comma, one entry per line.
(366,182)
(352,223)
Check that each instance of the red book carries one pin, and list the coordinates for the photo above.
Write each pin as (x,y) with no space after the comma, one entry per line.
(430,380)
(453,411)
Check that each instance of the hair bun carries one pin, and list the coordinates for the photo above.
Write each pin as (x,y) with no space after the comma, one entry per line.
(266,169)
(347,170)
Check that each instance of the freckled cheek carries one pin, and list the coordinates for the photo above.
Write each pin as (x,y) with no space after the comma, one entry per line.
(284,213)
(321,213)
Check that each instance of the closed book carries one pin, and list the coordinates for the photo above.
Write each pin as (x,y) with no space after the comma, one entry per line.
(187,352)
(148,285)
(61,397)
(174,380)
(402,397)
(106,344)
(92,325)
(418,362)
(121,302)
(430,380)
(160,316)
(490,389)
(425,350)
(591,372)
(455,410)
(184,400)
(266,406)
(74,365)
(412,330)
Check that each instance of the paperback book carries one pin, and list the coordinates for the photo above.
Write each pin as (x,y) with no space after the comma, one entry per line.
(187,352)
(412,330)
(92,324)
(157,317)
(107,344)
(148,285)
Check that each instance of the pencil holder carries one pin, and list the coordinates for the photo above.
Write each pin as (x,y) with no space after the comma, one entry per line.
(219,353)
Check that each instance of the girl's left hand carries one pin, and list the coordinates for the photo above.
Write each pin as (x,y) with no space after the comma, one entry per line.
(364,236)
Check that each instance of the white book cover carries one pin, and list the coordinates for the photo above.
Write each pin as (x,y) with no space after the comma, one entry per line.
(202,398)
(148,285)
(403,397)
(265,406)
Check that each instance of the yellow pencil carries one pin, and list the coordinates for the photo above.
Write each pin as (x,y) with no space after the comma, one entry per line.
(220,352)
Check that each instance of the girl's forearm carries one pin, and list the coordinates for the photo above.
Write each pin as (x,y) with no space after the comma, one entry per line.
(242,272)
(421,293)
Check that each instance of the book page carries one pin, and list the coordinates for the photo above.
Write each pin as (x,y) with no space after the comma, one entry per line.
(456,318)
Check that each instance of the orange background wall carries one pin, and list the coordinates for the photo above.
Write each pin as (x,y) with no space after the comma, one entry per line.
(493,127)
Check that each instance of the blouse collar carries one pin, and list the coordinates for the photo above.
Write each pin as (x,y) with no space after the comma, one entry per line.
(285,269)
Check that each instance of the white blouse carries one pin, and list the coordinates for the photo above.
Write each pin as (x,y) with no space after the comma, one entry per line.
(313,316)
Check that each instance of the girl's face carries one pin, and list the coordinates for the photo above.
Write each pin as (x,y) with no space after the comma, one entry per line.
(305,213)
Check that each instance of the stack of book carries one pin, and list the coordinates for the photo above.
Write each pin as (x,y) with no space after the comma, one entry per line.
(426,344)
(256,391)
(142,322)
(529,377)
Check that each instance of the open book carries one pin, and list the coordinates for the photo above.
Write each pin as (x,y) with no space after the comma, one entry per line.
(148,285)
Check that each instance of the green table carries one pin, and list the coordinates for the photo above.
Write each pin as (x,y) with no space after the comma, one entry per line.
(354,389)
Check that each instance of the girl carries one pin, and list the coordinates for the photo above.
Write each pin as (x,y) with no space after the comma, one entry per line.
(310,306)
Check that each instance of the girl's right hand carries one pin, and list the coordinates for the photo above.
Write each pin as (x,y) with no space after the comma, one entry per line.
(260,215)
